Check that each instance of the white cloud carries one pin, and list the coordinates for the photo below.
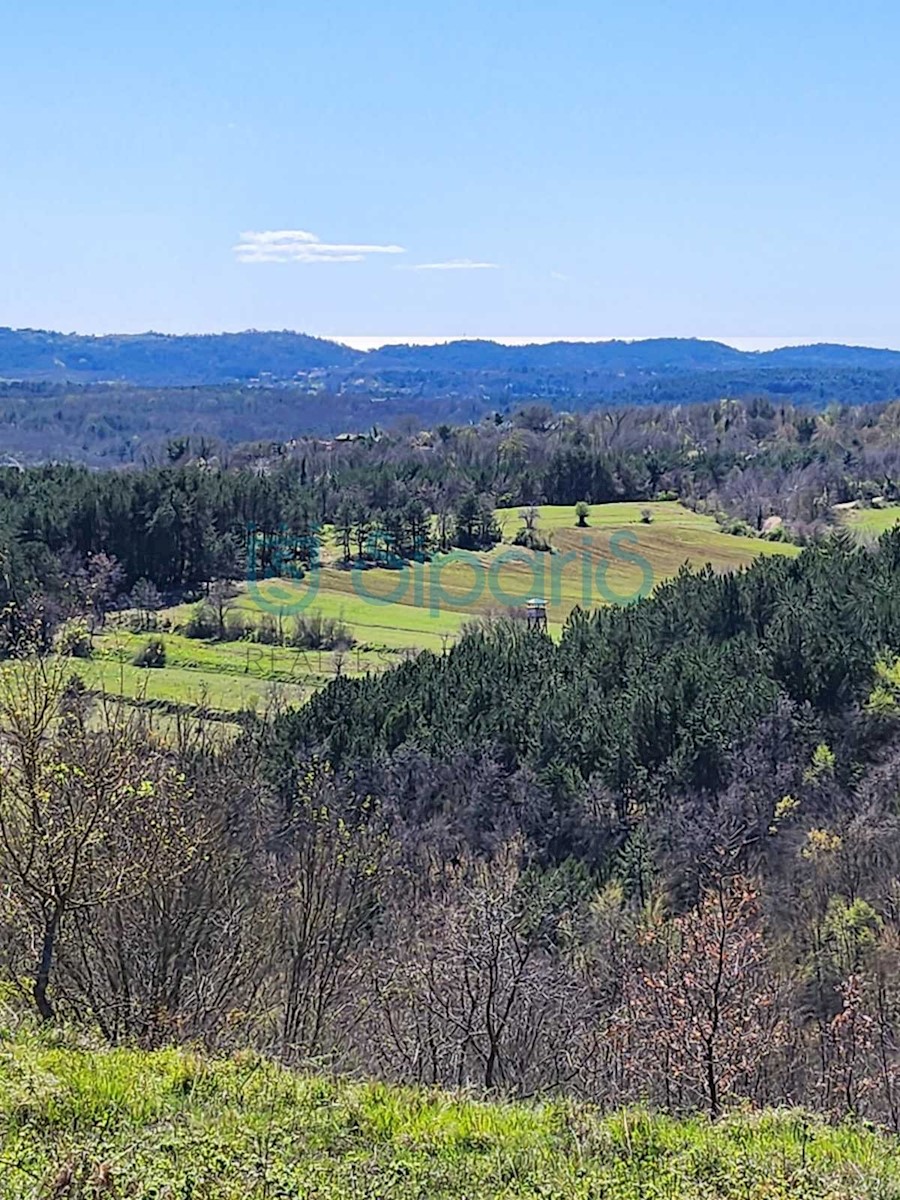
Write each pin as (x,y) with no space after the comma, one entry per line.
(297,245)
(457,264)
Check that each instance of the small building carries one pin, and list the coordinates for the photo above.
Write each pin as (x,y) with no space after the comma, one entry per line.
(536,613)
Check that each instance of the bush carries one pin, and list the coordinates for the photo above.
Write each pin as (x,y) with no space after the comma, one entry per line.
(317,632)
(237,627)
(646,516)
(738,528)
(151,654)
(74,641)
(202,623)
(267,632)
(139,621)
(532,539)
(582,512)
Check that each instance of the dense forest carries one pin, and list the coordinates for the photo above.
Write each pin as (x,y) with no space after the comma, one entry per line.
(512,867)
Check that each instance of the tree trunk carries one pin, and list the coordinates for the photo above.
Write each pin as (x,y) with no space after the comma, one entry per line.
(45,965)
(712,1085)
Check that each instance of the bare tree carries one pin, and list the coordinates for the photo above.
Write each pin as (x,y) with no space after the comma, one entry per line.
(146,599)
(327,865)
(701,996)
(471,993)
(83,806)
(221,593)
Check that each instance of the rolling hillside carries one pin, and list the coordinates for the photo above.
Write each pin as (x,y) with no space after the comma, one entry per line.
(154,359)
(392,614)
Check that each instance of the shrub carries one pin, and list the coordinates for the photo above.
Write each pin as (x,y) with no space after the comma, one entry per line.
(151,654)
(139,621)
(237,627)
(738,528)
(533,539)
(646,516)
(74,641)
(313,631)
(582,512)
(202,623)
(267,632)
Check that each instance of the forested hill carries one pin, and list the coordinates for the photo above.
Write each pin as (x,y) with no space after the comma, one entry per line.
(647,698)
(103,400)
(153,359)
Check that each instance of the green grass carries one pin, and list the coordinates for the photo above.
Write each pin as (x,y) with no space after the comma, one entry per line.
(248,660)
(872,521)
(615,558)
(225,677)
(394,613)
(385,609)
(211,689)
(172,1124)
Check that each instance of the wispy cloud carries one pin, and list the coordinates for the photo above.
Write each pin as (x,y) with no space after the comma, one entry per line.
(297,245)
(457,264)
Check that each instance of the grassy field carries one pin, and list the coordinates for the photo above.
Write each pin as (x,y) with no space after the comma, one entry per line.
(617,558)
(78,1123)
(395,613)
(872,521)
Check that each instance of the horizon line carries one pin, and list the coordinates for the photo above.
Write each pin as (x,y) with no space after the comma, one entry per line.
(364,342)
(373,341)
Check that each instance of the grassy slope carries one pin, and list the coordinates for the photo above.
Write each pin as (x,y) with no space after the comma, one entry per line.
(169,1124)
(873,521)
(615,558)
(393,613)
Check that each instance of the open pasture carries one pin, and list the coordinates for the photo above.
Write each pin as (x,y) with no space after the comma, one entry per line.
(392,613)
(872,521)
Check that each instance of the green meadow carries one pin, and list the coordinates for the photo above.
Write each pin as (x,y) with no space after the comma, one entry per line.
(80,1121)
(393,613)
(616,558)
(872,521)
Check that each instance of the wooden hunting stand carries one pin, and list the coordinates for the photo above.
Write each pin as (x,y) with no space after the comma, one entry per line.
(536,614)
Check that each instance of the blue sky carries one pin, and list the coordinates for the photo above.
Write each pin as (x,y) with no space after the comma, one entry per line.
(590,168)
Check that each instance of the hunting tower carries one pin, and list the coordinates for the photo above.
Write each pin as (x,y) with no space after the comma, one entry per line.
(536,614)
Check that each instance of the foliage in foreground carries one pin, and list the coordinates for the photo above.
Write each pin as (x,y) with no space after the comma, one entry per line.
(79,1122)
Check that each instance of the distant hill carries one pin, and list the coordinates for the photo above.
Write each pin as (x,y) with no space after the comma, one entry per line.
(112,399)
(155,359)
(161,360)
(665,354)
(827,355)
